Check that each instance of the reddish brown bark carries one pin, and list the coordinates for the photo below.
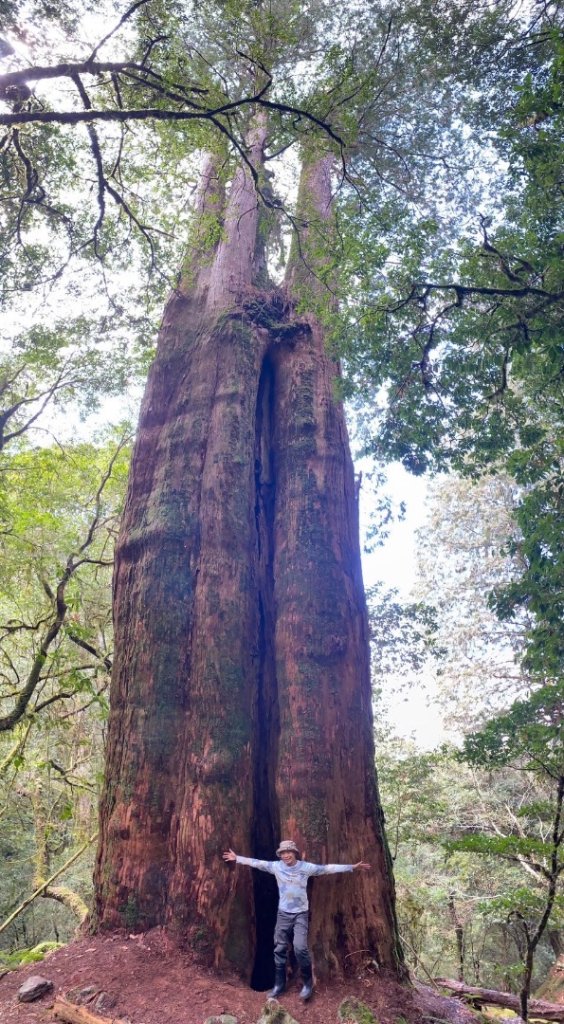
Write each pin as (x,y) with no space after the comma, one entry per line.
(241,696)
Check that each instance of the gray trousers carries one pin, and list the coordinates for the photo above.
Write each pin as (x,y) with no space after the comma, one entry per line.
(292,928)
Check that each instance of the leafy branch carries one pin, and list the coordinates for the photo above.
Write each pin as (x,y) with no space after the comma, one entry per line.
(74,561)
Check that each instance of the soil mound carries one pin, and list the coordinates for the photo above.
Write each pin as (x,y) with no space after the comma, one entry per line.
(144,979)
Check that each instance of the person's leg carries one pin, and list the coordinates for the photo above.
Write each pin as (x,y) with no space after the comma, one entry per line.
(282,935)
(303,955)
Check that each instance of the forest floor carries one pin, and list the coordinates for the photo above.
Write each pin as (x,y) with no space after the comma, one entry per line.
(145,980)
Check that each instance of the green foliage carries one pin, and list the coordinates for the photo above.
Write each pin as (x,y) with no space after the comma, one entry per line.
(28,956)
(439,815)
(458,381)
(510,847)
(59,513)
(539,587)
(459,337)
(402,634)
(529,735)
(48,807)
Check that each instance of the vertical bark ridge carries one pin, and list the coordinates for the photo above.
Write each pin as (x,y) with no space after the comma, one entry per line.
(209,208)
(326,779)
(216,768)
(235,267)
(153,589)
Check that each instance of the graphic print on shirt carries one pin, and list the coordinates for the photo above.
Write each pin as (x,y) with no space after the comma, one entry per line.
(292,880)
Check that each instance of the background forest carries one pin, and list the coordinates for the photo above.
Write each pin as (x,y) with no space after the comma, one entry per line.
(443,297)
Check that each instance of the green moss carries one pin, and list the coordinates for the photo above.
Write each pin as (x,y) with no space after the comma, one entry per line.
(11,961)
(353,1011)
(202,940)
(317,820)
(232,328)
(273,1013)
(130,911)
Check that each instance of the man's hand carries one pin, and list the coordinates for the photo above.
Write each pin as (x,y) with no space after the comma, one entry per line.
(361,866)
(230,855)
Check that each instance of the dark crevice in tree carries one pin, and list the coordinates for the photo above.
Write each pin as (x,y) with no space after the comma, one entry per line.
(265,824)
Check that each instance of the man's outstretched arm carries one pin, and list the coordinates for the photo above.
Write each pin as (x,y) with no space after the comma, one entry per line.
(336,869)
(251,862)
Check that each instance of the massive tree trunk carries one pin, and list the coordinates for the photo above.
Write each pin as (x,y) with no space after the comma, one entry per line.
(241,708)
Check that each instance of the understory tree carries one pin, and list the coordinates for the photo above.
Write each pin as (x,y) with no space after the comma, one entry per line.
(59,513)
(528,738)
(472,845)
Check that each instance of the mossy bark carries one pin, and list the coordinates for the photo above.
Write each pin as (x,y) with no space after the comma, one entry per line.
(240,705)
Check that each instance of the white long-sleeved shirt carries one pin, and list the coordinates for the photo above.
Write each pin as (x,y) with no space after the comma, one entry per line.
(292,881)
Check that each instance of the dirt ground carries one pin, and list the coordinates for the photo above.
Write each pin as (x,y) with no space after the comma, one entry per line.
(147,981)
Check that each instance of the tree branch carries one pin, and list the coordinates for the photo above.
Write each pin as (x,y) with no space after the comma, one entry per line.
(38,892)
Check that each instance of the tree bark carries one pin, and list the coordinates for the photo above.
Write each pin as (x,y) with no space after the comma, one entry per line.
(73,1014)
(552,987)
(459,934)
(241,702)
(537,1007)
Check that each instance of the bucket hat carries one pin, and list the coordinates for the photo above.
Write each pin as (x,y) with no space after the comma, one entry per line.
(287,846)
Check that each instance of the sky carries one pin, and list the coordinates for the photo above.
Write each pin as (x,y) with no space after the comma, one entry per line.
(412,715)
(394,562)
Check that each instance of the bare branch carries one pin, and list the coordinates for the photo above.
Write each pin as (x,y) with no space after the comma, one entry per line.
(106,661)
(125,17)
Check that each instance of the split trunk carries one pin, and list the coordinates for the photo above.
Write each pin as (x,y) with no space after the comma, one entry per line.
(241,702)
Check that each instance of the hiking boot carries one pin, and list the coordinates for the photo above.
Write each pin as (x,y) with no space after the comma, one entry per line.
(307,989)
(279,983)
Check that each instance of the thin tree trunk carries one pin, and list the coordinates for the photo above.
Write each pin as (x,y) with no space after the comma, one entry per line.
(459,934)
(68,898)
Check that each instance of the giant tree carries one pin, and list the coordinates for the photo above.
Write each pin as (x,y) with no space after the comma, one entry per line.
(241,698)
(241,703)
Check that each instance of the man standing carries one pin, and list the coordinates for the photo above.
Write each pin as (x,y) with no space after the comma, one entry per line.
(292,920)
